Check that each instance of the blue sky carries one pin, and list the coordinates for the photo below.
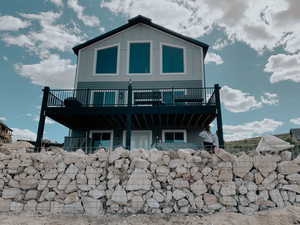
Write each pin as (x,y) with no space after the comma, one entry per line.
(254,55)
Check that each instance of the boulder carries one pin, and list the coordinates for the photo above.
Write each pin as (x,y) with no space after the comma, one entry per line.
(72,171)
(74,208)
(228,201)
(10,193)
(292,187)
(198,188)
(4,205)
(228,188)
(51,174)
(119,196)
(242,165)
(152,203)
(225,156)
(92,207)
(288,167)
(180,183)
(276,198)
(28,183)
(265,164)
(16,207)
(138,180)
(118,153)
(96,194)
(71,198)
(178,194)
(31,195)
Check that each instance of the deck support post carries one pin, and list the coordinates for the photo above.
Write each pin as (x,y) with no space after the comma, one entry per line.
(129,117)
(219,116)
(39,138)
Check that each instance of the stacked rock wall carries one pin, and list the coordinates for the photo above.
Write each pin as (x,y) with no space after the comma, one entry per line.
(183,181)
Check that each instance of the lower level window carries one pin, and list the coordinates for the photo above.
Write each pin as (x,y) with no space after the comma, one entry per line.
(102,139)
(174,136)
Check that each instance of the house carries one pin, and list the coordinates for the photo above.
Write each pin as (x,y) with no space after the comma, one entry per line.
(136,86)
(295,134)
(5,133)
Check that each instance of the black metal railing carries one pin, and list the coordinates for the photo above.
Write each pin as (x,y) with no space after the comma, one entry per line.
(132,96)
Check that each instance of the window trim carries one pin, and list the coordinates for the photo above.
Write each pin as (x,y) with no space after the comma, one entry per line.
(95,60)
(104,105)
(128,57)
(161,58)
(175,130)
(103,131)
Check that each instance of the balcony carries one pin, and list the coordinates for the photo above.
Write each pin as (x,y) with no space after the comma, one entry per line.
(131,109)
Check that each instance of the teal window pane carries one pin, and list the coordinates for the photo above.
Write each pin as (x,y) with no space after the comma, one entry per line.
(107,60)
(98,98)
(110,98)
(104,98)
(168,96)
(102,140)
(173,61)
(139,59)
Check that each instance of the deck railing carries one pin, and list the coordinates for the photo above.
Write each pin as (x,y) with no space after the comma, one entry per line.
(132,96)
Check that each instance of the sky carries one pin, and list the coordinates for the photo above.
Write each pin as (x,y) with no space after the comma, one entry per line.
(254,55)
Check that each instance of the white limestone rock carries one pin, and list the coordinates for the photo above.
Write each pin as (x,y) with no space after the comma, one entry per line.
(178,194)
(198,188)
(276,198)
(4,205)
(16,207)
(31,195)
(242,165)
(10,193)
(152,203)
(228,188)
(119,196)
(74,208)
(72,171)
(96,193)
(292,187)
(138,180)
(265,164)
(92,207)
(288,167)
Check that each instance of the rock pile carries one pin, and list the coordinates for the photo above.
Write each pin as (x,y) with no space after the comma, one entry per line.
(121,181)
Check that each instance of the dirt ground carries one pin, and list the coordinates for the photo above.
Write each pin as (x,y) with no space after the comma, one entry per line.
(286,216)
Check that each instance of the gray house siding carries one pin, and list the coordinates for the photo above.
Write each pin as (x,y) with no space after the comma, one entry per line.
(140,32)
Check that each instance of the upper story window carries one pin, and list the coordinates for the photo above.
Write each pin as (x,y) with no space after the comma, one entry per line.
(107,60)
(139,57)
(172,59)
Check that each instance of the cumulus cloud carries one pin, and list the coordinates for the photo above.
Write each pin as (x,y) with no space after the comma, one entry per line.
(11,23)
(237,101)
(251,129)
(213,58)
(52,71)
(58,3)
(283,67)
(295,121)
(23,134)
(220,44)
(91,21)
(50,36)
(269,98)
(261,24)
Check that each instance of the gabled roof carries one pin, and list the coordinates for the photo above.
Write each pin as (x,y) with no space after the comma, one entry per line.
(144,20)
(4,125)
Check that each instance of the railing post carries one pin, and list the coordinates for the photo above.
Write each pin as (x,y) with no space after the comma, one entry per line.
(87,96)
(219,116)
(129,117)
(39,138)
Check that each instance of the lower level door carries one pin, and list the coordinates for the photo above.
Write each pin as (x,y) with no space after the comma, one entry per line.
(141,139)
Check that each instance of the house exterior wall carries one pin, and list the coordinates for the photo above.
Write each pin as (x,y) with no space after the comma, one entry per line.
(192,77)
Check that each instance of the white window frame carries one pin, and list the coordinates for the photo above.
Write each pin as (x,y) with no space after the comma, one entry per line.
(95,60)
(161,58)
(128,57)
(104,91)
(104,131)
(125,131)
(174,131)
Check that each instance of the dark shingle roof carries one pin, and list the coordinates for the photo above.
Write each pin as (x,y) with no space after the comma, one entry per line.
(144,20)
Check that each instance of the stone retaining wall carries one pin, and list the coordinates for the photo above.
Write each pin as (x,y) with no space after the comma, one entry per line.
(185,181)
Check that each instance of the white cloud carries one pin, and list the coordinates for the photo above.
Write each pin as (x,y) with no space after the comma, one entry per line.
(23,134)
(270,98)
(91,21)
(284,67)
(251,129)
(295,121)
(261,24)
(5,58)
(214,58)
(52,71)
(58,3)
(235,100)
(11,23)
(47,121)
(50,36)
(2,118)
(220,44)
